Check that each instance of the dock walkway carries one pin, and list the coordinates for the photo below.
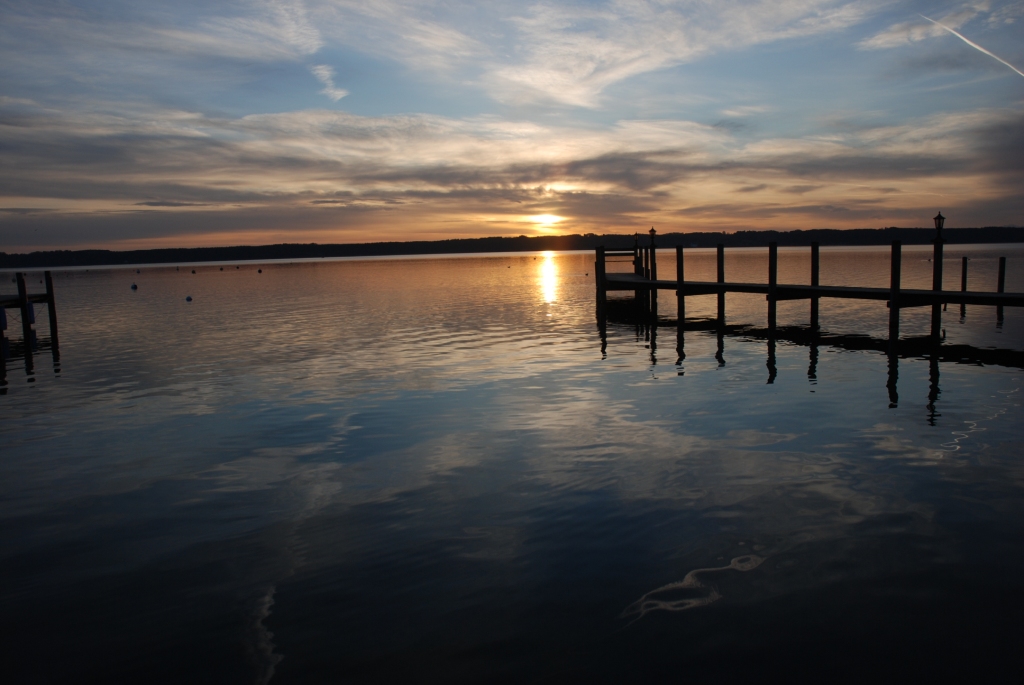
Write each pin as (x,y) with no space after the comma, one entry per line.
(644,282)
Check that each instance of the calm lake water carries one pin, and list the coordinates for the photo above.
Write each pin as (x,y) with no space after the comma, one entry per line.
(436,470)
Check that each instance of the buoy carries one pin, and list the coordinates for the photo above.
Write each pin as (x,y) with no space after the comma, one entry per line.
(236,267)
(259,270)
(137,271)
(222,268)
(193,270)
(134,287)
(188,299)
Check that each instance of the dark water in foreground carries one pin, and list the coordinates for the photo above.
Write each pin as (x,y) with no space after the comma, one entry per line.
(427,469)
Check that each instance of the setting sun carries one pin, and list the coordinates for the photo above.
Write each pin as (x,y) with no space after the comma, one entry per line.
(547,220)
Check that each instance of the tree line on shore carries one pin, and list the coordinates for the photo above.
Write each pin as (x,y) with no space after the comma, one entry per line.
(589,241)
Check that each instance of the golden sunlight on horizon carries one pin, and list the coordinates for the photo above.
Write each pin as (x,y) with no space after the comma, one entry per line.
(546,222)
(549,278)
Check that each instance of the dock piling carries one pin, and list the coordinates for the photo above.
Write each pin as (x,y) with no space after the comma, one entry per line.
(773,281)
(963,285)
(680,298)
(1001,287)
(51,311)
(937,277)
(815,264)
(3,340)
(653,269)
(895,268)
(721,284)
(27,319)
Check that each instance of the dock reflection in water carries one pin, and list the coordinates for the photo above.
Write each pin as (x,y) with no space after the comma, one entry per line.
(437,470)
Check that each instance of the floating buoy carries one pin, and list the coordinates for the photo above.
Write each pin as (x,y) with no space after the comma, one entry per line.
(259,270)
(193,270)
(222,268)
(236,267)
(188,299)
(134,287)
(137,271)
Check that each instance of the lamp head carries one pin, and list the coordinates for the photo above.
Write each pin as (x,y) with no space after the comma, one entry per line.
(939,221)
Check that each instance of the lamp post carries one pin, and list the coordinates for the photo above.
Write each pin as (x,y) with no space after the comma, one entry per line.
(937,273)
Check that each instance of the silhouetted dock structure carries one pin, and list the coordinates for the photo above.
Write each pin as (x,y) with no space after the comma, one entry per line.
(24,302)
(645,284)
(642,311)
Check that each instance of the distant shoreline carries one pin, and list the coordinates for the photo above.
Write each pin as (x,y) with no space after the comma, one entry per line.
(285,251)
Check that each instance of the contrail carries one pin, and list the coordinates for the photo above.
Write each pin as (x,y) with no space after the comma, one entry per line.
(973,45)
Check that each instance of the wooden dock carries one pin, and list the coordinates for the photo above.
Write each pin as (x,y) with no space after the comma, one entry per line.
(645,284)
(25,303)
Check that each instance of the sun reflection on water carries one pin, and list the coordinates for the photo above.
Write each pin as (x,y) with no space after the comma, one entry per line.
(549,278)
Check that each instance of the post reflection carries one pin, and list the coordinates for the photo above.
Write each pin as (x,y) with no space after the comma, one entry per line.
(892,379)
(549,278)
(680,347)
(933,388)
(891,348)
(812,367)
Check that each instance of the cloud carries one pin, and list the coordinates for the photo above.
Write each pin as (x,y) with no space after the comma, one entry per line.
(336,175)
(571,54)
(977,47)
(325,75)
(921,28)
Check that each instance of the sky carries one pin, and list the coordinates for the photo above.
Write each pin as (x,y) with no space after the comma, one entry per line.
(156,124)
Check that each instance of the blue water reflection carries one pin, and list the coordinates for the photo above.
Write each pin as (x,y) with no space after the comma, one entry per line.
(427,469)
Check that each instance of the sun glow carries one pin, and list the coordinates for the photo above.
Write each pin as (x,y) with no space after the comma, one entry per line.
(546,220)
(549,278)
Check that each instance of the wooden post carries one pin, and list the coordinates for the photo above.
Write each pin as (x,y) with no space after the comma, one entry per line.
(647,275)
(26,318)
(638,268)
(680,298)
(51,310)
(654,275)
(599,269)
(937,284)
(815,264)
(1001,287)
(773,281)
(3,340)
(895,266)
(963,284)
(721,280)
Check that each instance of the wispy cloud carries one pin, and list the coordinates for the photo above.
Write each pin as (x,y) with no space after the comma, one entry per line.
(572,54)
(975,45)
(325,75)
(312,170)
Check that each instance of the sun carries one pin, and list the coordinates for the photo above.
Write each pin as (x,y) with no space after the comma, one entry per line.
(546,220)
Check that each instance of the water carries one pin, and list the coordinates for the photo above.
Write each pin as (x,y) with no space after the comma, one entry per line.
(429,470)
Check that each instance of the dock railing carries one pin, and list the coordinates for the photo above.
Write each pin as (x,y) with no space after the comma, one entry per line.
(644,282)
(24,302)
